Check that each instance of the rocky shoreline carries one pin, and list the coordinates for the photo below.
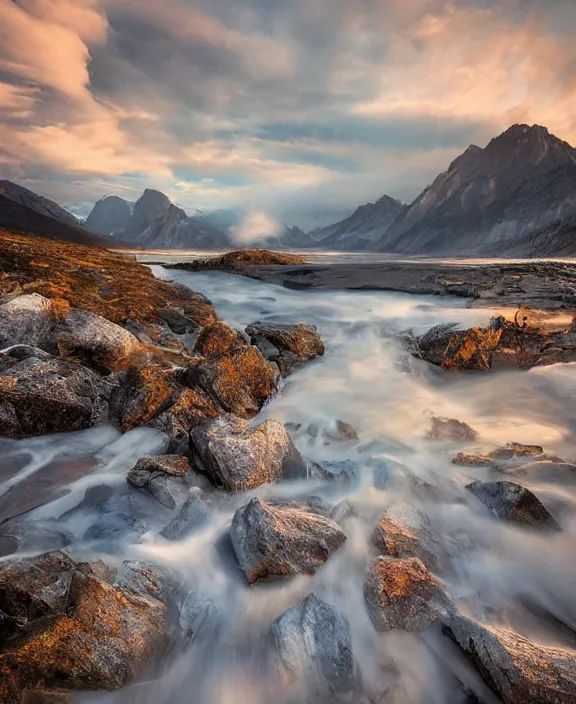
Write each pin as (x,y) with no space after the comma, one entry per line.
(90,338)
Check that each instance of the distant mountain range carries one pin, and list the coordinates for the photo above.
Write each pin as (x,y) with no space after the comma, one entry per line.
(516,197)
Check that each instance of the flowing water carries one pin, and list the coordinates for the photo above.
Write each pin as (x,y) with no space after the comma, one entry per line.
(71,491)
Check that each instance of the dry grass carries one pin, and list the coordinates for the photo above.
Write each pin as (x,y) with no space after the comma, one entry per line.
(89,278)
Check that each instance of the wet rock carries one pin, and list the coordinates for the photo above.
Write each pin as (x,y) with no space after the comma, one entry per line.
(463,459)
(518,670)
(178,322)
(289,346)
(271,542)
(172,465)
(516,449)
(237,457)
(395,540)
(114,526)
(217,339)
(142,394)
(103,639)
(187,409)
(34,588)
(199,617)
(339,471)
(95,341)
(338,432)
(76,396)
(545,471)
(313,647)
(145,580)
(403,594)
(502,344)
(240,381)
(311,505)
(158,476)
(515,504)
(451,430)
(194,513)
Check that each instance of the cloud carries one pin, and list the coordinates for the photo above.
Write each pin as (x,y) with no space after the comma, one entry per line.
(302,110)
(255,226)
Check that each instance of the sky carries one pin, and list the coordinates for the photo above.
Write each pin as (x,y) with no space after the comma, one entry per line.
(298,109)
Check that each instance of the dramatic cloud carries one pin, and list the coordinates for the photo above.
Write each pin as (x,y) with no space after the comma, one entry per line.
(297,111)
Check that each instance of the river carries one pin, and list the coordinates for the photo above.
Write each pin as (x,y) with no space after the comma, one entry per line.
(366,379)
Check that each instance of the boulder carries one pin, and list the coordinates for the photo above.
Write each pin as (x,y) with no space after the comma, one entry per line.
(463,459)
(141,395)
(395,540)
(75,630)
(95,341)
(403,594)
(275,542)
(289,346)
(217,339)
(501,344)
(156,474)
(337,432)
(26,320)
(514,504)
(313,648)
(237,457)
(518,670)
(451,430)
(178,322)
(240,381)
(77,398)
(53,326)
(516,449)
(186,410)
(171,465)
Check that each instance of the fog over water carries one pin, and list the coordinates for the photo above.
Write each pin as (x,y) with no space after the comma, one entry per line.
(367,379)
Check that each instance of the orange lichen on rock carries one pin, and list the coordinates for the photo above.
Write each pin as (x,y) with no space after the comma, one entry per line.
(240,381)
(471,349)
(218,339)
(142,394)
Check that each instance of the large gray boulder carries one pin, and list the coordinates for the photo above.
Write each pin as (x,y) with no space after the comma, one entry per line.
(42,395)
(26,320)
(514,503)
(313,648)
(237,457)
(289,346)
(403,594)
(97,342)
(53,327)
(518,670)
(274,541)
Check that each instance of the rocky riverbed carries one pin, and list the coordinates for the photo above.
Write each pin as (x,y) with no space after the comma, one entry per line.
(263,494)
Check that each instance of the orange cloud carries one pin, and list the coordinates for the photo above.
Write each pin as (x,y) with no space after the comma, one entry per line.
(471,63)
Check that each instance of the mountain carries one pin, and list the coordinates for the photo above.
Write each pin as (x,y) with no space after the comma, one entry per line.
(363,229)
(32,200)
(516,197)
(16,216)
(153,222)
(110,215)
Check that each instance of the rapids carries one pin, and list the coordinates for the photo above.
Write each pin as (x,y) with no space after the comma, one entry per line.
(70,490)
